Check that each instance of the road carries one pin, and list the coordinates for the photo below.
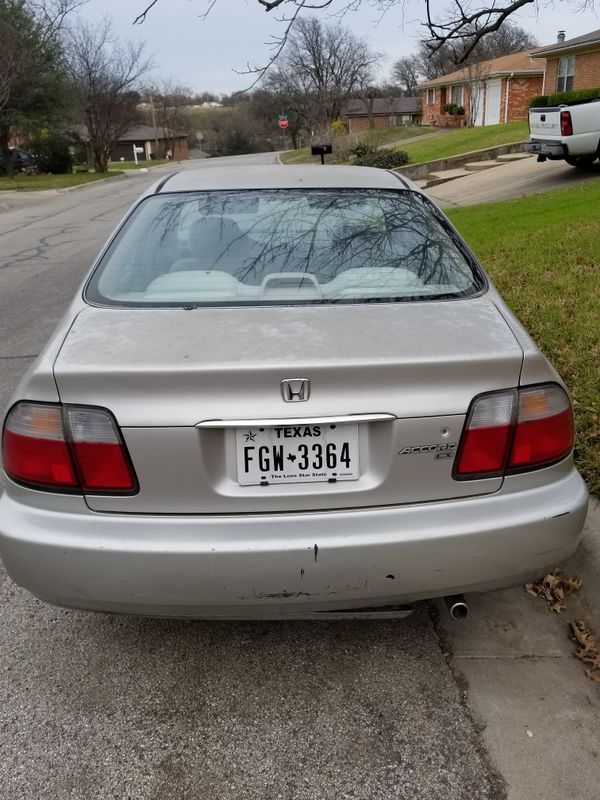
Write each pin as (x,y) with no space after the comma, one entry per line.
(515,179)
(105,707)
(97,707)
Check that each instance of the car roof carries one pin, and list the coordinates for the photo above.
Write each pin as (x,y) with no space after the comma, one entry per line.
(274,176)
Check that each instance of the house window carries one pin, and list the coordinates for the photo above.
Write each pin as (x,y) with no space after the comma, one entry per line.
(566,73)
(393,121)
(430,97)
(456,95)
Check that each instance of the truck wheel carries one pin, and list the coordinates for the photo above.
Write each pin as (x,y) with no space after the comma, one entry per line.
(583,162)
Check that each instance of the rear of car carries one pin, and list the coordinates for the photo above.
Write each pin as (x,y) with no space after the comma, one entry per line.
(570,132)
(22,161)
(296,399)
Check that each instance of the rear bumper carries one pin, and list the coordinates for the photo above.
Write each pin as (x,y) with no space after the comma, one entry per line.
(289,565)
(550,149)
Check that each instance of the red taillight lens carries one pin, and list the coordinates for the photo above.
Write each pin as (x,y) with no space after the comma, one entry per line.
(487,435)
(566,124)
(34,450)
(100,455)
(515,431)
(544,430)
(66,448)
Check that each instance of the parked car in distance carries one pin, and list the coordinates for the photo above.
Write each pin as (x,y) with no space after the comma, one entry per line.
(570,132)
(22,161)
(286,392)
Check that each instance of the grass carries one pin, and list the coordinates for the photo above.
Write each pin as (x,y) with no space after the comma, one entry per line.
(463,140)
(542,253)
(386,136)
(33,183)
(142,164)
(300,156)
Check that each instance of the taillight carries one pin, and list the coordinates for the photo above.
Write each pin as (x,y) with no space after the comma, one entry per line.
(486,436)
(34,450)
(566,124)
(544,430)
(70,448)
(515,431)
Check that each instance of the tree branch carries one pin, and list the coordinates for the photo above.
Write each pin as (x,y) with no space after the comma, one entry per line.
(141,18)
(466,28)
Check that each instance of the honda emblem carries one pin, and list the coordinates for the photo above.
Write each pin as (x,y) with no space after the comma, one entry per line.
(295,390)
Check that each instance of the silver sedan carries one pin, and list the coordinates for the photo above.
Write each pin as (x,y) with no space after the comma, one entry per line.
(286,392)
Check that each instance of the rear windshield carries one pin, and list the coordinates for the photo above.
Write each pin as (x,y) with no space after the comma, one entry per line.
(283,247)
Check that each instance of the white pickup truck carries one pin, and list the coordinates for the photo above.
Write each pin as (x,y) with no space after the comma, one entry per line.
(570,132)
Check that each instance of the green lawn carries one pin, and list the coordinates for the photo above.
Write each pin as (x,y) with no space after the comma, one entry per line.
(542,253)
(142,164)
(387,137)
(32,183)
(463,140)
(301,156)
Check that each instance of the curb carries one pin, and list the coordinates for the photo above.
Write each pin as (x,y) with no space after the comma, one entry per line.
(68,189)
(24,198)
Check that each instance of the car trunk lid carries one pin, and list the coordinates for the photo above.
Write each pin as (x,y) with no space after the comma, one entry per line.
(162,372)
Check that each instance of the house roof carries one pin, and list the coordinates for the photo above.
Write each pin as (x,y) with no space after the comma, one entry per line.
(504,65)
(145,133)
(384,105)
(569,44)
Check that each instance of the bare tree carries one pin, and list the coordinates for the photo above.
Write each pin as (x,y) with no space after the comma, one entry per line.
(320,68)
(106,73)
(477,73)
(405,73)
(460,25)
(169,102)
(509,39)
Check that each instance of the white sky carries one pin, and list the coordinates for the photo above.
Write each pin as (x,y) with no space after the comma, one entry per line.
(203,54)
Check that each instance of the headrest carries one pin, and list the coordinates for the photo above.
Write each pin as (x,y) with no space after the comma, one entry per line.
(211,236)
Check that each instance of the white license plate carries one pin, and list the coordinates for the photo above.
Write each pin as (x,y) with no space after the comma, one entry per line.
(297,454)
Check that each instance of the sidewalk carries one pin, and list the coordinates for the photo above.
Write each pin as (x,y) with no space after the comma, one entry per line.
(537,710)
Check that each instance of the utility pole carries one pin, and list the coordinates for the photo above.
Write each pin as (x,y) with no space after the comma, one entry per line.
(153,115)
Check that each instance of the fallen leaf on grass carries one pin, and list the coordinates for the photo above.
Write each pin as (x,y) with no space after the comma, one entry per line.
(587,650)
(554,589)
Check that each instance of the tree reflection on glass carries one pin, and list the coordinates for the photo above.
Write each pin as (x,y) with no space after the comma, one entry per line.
(285,245)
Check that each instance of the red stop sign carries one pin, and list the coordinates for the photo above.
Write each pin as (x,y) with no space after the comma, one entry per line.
(283,123)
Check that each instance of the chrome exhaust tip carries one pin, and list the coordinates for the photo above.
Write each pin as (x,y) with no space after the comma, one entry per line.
(457,606)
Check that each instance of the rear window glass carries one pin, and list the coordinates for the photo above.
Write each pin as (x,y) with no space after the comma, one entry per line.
(283,247)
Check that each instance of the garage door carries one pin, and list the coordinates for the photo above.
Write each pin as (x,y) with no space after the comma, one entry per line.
(492,102)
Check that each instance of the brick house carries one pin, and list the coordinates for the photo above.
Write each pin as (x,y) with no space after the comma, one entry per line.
(155,143)
(491,92)
(384,112)
(571,63)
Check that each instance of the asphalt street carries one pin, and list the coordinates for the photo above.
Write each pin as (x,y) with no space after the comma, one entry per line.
(94,706)
(98,707)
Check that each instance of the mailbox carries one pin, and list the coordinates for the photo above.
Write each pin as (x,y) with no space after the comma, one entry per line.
(321,150)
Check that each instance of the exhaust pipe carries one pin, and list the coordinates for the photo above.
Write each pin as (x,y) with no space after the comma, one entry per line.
(457,606)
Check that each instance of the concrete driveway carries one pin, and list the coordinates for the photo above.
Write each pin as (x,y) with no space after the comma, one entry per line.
(516,179)
(96,707)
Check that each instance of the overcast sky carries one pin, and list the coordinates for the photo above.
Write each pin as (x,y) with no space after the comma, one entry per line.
(203,54)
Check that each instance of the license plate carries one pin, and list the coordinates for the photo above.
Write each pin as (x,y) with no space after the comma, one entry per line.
(297,454)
